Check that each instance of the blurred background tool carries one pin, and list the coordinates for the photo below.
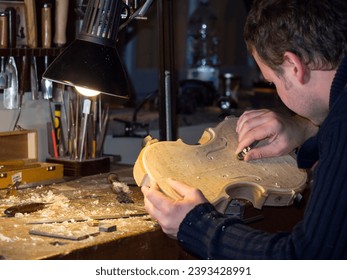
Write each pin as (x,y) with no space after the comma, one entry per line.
(3,44)
(11,100)
(46,37)
(32,37)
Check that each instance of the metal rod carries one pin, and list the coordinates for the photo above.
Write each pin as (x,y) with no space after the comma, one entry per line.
(168,106)
(167,83)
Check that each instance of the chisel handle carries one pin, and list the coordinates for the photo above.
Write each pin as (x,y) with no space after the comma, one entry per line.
(61,15)
(3,30)
(31,23)
(46,18)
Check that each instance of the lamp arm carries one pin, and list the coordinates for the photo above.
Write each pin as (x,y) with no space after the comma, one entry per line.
(140,12)
(144,8)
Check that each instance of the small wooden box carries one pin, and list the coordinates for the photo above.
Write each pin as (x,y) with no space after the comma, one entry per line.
(87,167)
(18,160)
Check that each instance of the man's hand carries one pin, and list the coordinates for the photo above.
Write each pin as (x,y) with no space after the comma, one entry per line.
(284,133)
(169,212)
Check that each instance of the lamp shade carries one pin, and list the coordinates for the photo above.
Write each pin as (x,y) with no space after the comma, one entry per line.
(92,61)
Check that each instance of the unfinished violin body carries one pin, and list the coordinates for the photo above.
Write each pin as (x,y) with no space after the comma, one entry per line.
(213,167)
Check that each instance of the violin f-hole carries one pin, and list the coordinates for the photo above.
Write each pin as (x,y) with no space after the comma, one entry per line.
(223,144)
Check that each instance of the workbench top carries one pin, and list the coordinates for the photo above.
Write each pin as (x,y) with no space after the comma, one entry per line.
(86,199)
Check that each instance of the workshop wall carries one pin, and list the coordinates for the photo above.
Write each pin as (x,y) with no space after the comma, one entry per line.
(141,55)
(139,50)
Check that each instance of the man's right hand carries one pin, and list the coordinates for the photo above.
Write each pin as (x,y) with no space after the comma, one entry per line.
(284,133)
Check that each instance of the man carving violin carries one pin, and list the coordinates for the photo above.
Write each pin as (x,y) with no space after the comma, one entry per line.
(300,46)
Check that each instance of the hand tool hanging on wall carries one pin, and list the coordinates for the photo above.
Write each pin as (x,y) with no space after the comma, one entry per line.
(11,100)
(3,44)
(46,35)
(31,24)
(23,75)
(61,15)
(34,79)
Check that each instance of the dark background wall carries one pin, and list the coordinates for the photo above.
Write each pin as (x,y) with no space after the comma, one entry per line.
(139,48)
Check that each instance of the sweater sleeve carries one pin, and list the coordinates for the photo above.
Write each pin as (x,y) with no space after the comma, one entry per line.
(208,234)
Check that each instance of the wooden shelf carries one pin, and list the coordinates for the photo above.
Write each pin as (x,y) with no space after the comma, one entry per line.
(18,52)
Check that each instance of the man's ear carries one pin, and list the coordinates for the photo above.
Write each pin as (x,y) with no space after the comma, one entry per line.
(296,66)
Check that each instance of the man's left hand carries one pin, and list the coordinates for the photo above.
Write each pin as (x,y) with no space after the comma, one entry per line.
(170,212)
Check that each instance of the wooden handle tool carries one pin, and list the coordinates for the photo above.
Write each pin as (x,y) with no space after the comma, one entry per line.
(61,16)
(31,22)
(46,21)
(3,44)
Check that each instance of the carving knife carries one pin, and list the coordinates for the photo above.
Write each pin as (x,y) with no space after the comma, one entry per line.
(46,21)
(31,24)
(11,93)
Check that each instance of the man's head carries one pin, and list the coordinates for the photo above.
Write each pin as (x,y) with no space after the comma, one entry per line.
(314,30)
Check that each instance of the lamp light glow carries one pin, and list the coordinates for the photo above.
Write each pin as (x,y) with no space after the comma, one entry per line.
(87,92)
(92,60)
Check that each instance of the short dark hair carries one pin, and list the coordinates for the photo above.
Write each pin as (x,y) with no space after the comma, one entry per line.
(315,30)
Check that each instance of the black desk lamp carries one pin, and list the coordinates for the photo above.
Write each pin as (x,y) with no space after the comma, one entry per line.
(91,63)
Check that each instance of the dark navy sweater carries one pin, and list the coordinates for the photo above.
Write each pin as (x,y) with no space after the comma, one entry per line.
(322,234)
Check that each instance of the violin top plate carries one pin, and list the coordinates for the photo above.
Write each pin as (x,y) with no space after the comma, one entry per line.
(213,167)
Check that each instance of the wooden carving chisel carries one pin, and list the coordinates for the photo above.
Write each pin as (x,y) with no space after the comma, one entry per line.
(31,24)
(46,35)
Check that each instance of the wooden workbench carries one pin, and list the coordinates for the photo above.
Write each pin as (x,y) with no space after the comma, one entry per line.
(136,238)
(88,197)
